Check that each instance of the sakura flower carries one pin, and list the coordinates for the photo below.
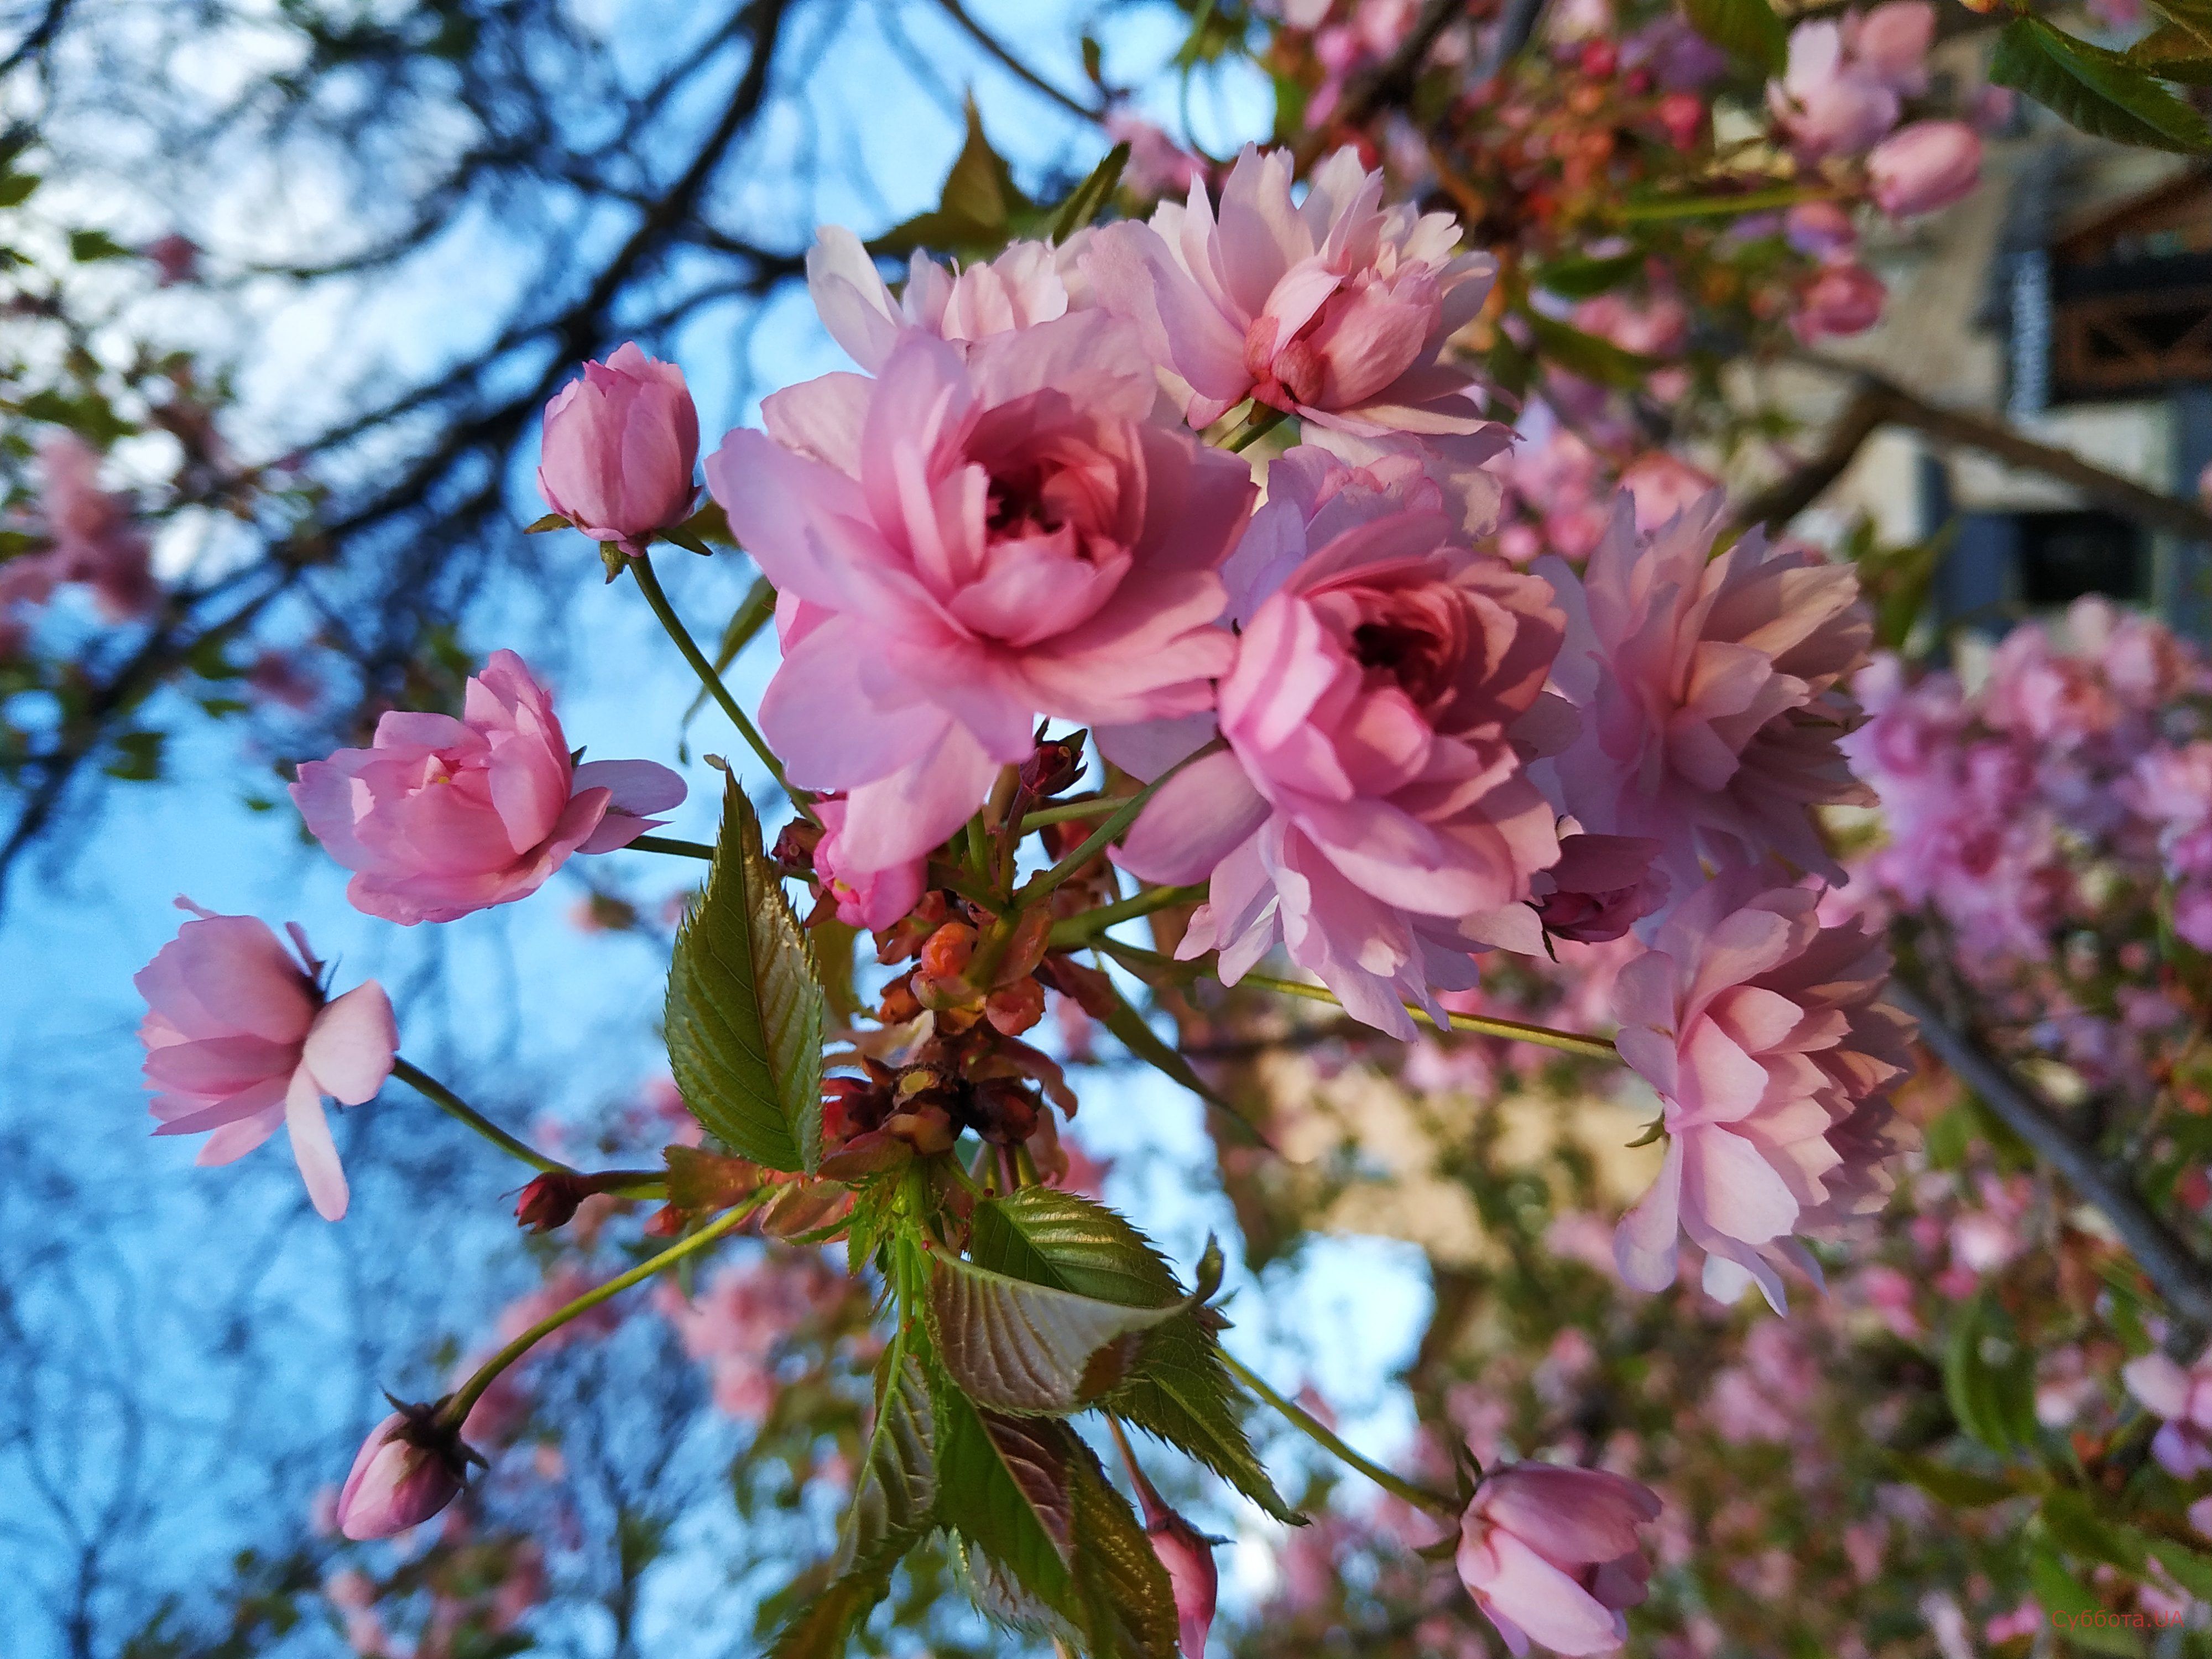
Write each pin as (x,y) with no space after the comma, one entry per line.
(864,898)
(1027,283)
(1924,167)
(1828,103)
(1772,1060)
(240,1038)
(1333,308)
(1552,1556)
(442,817)
(406,1471)
(1600,887)
(1892,42)
(1370,799)
(1844,299)
(1157,165)
(95,540)
(967,542)
(2183,1397)
(1711,693)
(619,448)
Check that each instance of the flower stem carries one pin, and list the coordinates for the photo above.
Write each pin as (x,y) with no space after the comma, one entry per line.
(1077,929)
(1096,807)
(1567,1042)
(454,1106)
(1260,419)
(1314,1430)
(655,596)
(455,1409)
(669,844)
(1124,816)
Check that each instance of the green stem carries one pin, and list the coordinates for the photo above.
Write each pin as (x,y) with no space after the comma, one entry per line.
(1124,816)
(649,585)
(1314,1430)
(454,1106)
(1567,1042)
(455,1409)
(980,861)
(1096,807)
(1076,930)
(669,844)
(1259,421)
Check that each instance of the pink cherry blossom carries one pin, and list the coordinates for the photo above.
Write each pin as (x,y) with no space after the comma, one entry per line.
(1333,308)
(1711,693)
(442,817)
(94,539)
(1772,1059)
(965,542)
(1158,166)
(744,1317)
(1602,886)
(1827,102)
(865,898)
(239,1038)
(2183,1397)
(1370,808)
(1027,283)
(619,448)
(1924,167)
(1892,42)
(1844,299)
(1664,486)
(1551,1555)
(406,1471)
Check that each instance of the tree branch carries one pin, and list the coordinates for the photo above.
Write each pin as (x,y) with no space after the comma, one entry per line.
(1013,65)
(1389,82)
(2183,1280)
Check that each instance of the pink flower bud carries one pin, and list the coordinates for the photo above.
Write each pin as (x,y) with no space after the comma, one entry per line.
(1189,1557)
(406,1471)
(1844,299)
(1892,40)
(1924,167)
(620,445)
(1551,1555)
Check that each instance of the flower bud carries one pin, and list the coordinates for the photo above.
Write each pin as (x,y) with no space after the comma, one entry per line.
(620,447)
(1844,299)
(1012,1009)
(1927,166)
(947,953)
(1188,1555)
(1056,763)
(550,1202)
(408,1469)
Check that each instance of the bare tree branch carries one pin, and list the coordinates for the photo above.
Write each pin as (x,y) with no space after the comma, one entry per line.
(1389,81)
(997,52)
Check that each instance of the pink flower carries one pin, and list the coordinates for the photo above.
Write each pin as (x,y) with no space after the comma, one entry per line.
(872,899)
(1332,309)
(1892,42)
(406,1471)
(442,816)
(1663,487)
(1370,808)
(1827,104)
(1820,228)
(176,257)
(964,543)
(1924,167)
(1772,1060)
(1188,1555)
(1711,693)
(1027,283)
(2183,1444)
(619,448)
(240,1038)
(1551,1555)
(1158,166)
(1602,886)
(1844,299)
(95,542)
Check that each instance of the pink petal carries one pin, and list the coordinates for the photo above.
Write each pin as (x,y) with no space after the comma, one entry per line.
(349,1049)
(1196,821)
(316,1153)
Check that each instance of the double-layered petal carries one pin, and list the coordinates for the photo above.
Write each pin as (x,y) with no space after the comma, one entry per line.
(441,816)
(1551,1555)
(970,539)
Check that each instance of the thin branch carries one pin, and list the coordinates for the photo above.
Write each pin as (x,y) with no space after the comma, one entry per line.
(2183,1280)
(1389,82)
(1013,65)
(1790,494)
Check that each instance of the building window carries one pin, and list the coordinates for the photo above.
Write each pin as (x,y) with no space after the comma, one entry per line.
(2064,556)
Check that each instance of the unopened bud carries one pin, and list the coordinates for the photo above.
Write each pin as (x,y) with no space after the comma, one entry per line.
(1012,1009)
(947,953)
(550,1200)
(794,848)
(1188,1555)
(1055,764)
(408,1469)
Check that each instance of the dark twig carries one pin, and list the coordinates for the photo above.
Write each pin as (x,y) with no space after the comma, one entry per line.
(997,52)
(1390,80)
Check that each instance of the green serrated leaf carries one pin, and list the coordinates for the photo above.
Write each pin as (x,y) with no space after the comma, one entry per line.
(824,1624)
(1178,1390)
(2173,53)
(2074,1613)
(1750,29)
(1019,1347)
(976,210)
(2100,91)
(744,1008)
(893,1504)
(1088,200)
(2192,19)
(1126,1599)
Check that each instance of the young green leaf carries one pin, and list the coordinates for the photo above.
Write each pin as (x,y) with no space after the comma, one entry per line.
(1088,200)
(2059,1592)
(1177,1390)
(1749,28)
(744,1009)
(1019,1347)
(1586,355)
(2173,53)
(1958,1489)
(2102,92)
(897,1492)
(977,209)
(1126,1600)
(1989,1378)
(824,1624)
